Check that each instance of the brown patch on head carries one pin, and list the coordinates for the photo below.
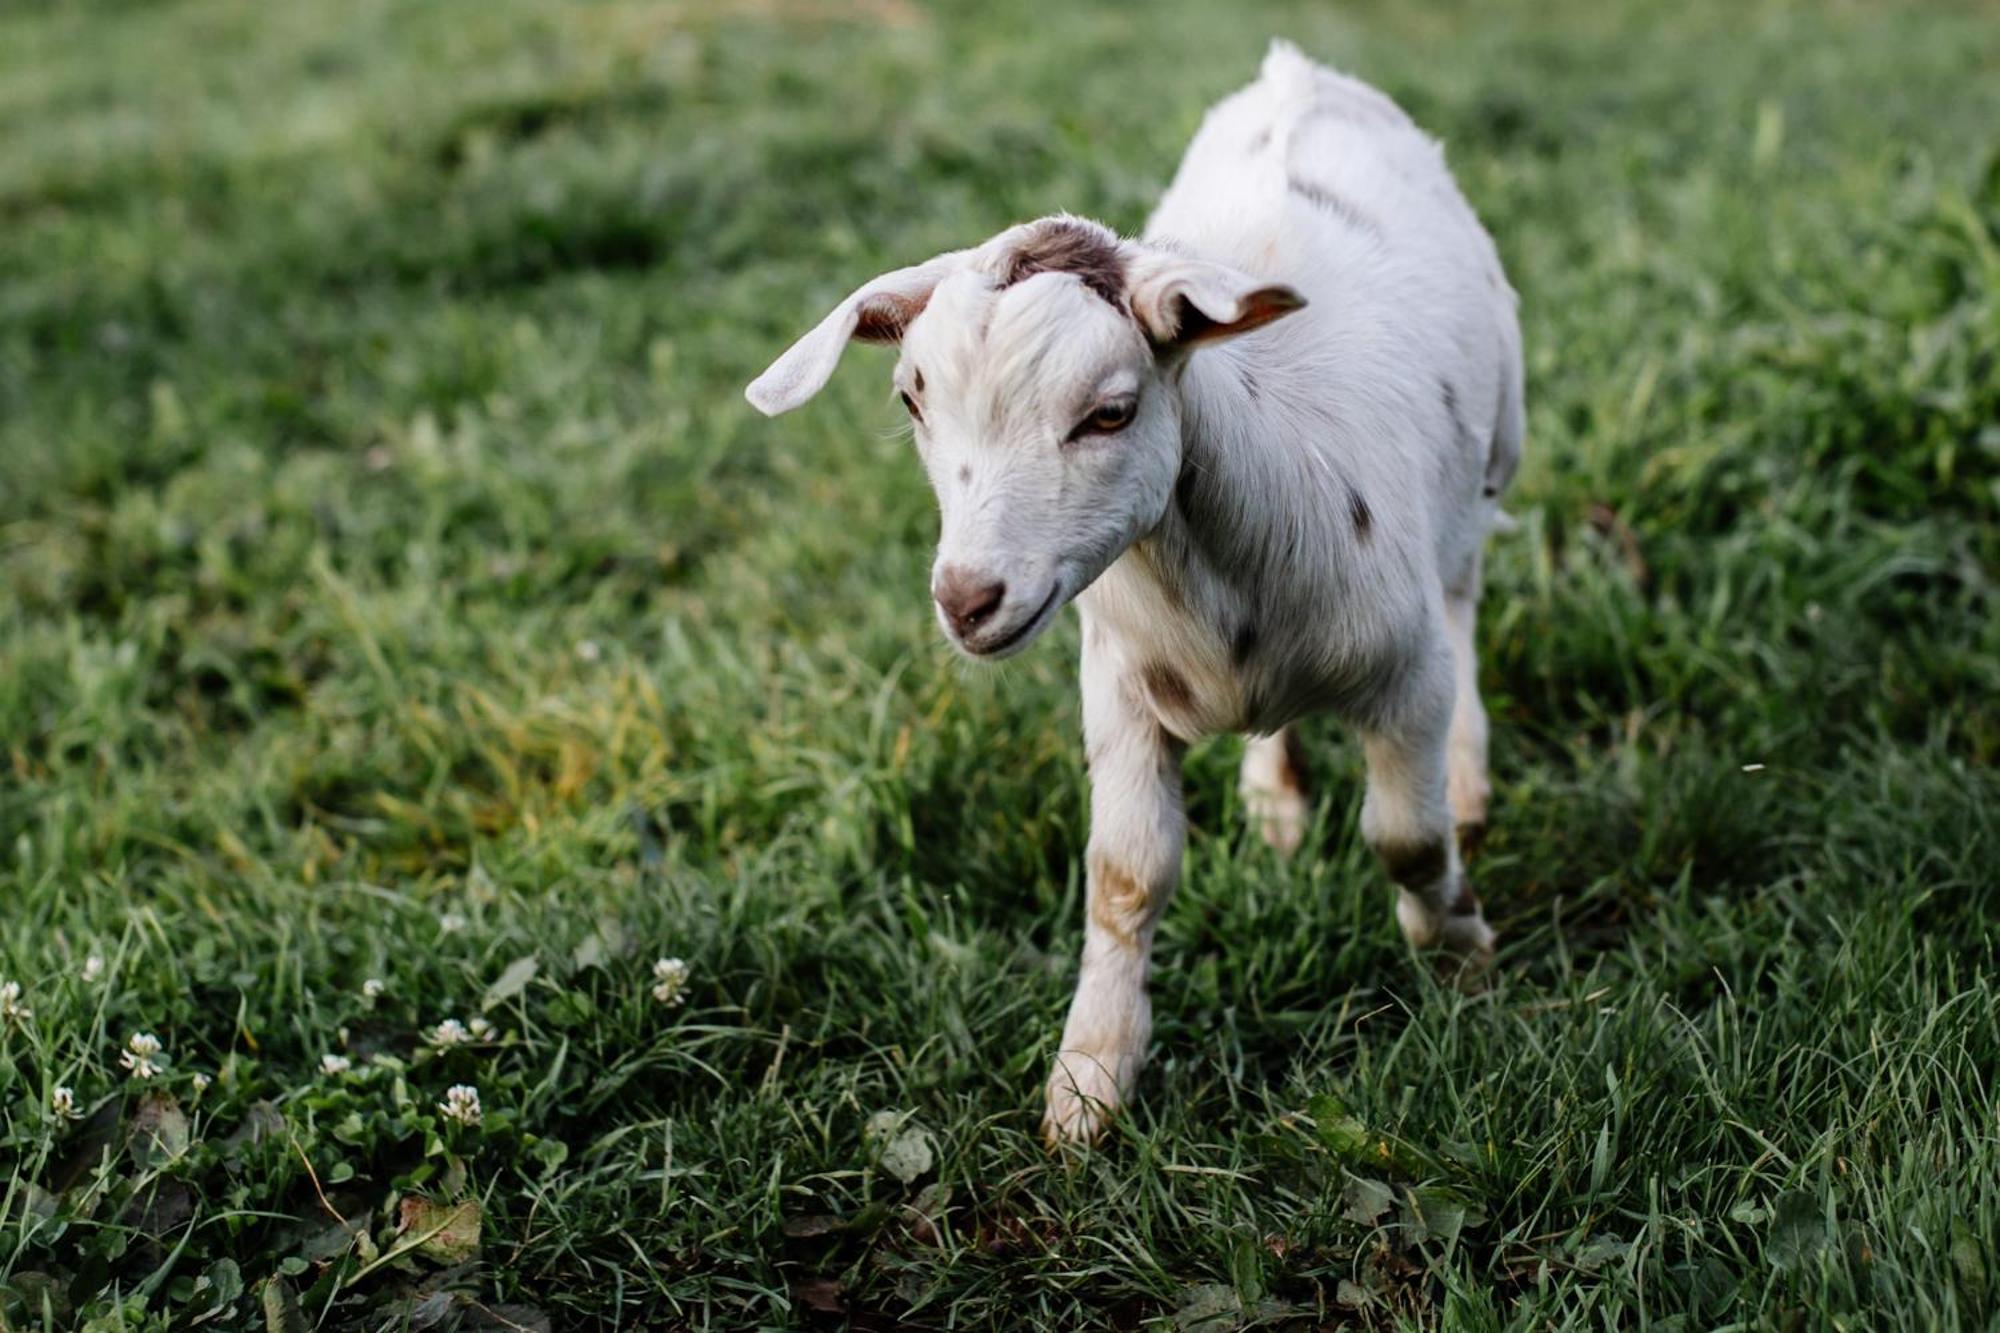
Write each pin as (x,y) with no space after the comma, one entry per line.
(883,317)
(1364,518)
(917,380)
(1168,687)
(1120,902)
(1065,245)
(1417,864)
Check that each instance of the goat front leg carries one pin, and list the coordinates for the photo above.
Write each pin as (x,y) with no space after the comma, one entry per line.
(1137,830)
(1465,780)
(1407,820)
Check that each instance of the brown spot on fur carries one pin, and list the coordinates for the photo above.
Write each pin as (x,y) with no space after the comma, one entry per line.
(965,472)
(1295,760)
(1414,864)
(1467,904)
(1119,899)
(1364,518)
(1244,644)
(1168,687)
(1321,197)
(917,380)
(1063,245)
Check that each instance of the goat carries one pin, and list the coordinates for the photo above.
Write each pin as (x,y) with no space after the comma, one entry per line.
(1256,520)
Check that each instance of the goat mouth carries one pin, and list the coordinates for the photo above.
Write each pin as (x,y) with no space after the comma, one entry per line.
(1020,634)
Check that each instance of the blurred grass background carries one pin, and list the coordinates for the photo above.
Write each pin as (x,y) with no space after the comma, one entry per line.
(394,586)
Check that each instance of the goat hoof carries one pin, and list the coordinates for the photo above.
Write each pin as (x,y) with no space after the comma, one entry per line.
(1460,940)
(1465,952)
(1082,1097)
(1280,817)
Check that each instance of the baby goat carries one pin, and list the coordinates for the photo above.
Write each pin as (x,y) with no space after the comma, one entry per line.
(1258,520)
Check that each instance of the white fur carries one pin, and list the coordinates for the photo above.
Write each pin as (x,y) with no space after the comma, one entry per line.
(1326,365)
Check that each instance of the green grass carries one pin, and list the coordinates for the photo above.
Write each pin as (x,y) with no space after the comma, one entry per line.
(384,542)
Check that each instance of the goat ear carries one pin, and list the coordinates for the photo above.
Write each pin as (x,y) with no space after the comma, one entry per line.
(1186,302)
(877,311)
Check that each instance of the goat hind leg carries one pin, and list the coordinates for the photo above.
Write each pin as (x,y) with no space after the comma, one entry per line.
(1466,784)
(1407,820)
(1273,789)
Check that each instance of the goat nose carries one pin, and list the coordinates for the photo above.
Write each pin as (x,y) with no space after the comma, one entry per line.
(966,597)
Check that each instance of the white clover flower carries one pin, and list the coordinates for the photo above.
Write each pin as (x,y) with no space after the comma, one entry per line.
(11,1008)
(451,922)
(371,989)
(588,651)
(451,1032)
(479,1029)
(332,1063)
(461,1103)
(140,1048)
(201,1082)
(62,1102)
(93,968)
(670,977)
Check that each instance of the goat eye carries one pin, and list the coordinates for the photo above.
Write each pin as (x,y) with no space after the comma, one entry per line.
(1106,419)
(910,404)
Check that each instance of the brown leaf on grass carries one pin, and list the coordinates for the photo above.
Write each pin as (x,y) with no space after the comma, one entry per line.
(1365,1201)
(1009,1233)
(448,1232)
(510,1318)
(27,1292)
(819,1293)
(924,1212)
(261,1121)
(161,1207)
(510,982)
(1605,519)
(160,1130)
(281,1308)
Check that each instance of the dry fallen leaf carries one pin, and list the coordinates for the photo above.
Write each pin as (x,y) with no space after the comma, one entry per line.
(444,1231)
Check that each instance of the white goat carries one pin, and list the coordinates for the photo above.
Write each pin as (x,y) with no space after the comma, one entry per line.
(1256,523)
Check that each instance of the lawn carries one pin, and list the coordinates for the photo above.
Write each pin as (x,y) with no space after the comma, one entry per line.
(408,638)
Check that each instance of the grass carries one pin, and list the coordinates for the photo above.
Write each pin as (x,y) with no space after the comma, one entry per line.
(396,588)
